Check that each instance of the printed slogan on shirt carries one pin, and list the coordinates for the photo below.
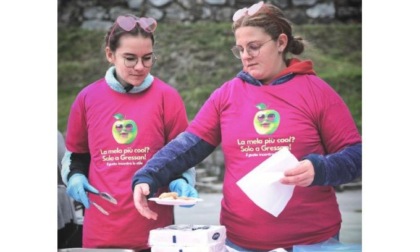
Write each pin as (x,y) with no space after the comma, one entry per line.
(264,146)
(125,156)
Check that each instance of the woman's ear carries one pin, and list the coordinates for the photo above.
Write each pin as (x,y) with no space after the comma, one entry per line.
(109,55)
(282,42)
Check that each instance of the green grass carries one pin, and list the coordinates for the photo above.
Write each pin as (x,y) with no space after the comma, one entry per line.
(205,48)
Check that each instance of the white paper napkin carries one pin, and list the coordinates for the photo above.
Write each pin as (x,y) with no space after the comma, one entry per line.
(262,184)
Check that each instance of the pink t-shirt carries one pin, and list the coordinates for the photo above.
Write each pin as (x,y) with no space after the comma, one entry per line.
(252,122)
(122,132)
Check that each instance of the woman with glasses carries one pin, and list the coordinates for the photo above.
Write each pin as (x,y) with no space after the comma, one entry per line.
(276,101)
(115,125)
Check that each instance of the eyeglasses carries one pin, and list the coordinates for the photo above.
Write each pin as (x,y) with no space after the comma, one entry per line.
(270,117)
(253,49)
(127,128)
(147,61)
(250,11)
(128,23)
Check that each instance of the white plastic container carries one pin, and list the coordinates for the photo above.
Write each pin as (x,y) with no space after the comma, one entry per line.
(216,247)
(187,236)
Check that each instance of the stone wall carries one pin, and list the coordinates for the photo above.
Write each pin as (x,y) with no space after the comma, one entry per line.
(100,14)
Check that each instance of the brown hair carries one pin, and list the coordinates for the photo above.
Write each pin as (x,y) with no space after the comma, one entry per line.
(274,23)
(118,32)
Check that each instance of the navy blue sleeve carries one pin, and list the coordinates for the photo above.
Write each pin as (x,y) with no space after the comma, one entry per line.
(183,152)
(337,168)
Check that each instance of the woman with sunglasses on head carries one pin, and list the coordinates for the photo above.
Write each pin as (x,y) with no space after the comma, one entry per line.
(274,102)
(115,125)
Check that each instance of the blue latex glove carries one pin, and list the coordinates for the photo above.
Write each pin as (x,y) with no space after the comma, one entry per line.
(190,175)
(77,188)
(181,187)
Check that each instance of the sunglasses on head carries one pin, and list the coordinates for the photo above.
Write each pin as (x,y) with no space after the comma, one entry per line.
(128,23)
(250,11)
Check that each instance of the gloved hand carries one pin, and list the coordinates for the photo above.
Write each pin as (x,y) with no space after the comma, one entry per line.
(181,187)
(77,188)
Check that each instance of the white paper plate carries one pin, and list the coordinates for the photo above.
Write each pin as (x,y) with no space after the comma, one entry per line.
(176,202)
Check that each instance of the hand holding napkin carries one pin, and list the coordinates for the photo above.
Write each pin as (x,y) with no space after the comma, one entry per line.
(262,185)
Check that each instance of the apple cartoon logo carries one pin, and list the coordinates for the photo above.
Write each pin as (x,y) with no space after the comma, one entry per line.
(266,121)
(124,130)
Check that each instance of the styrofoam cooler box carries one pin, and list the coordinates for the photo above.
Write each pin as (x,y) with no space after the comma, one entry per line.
(216,247)
(187,235)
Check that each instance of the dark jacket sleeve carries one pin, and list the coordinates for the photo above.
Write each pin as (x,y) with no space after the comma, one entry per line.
(337,168)
(183,152)
(79,163)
